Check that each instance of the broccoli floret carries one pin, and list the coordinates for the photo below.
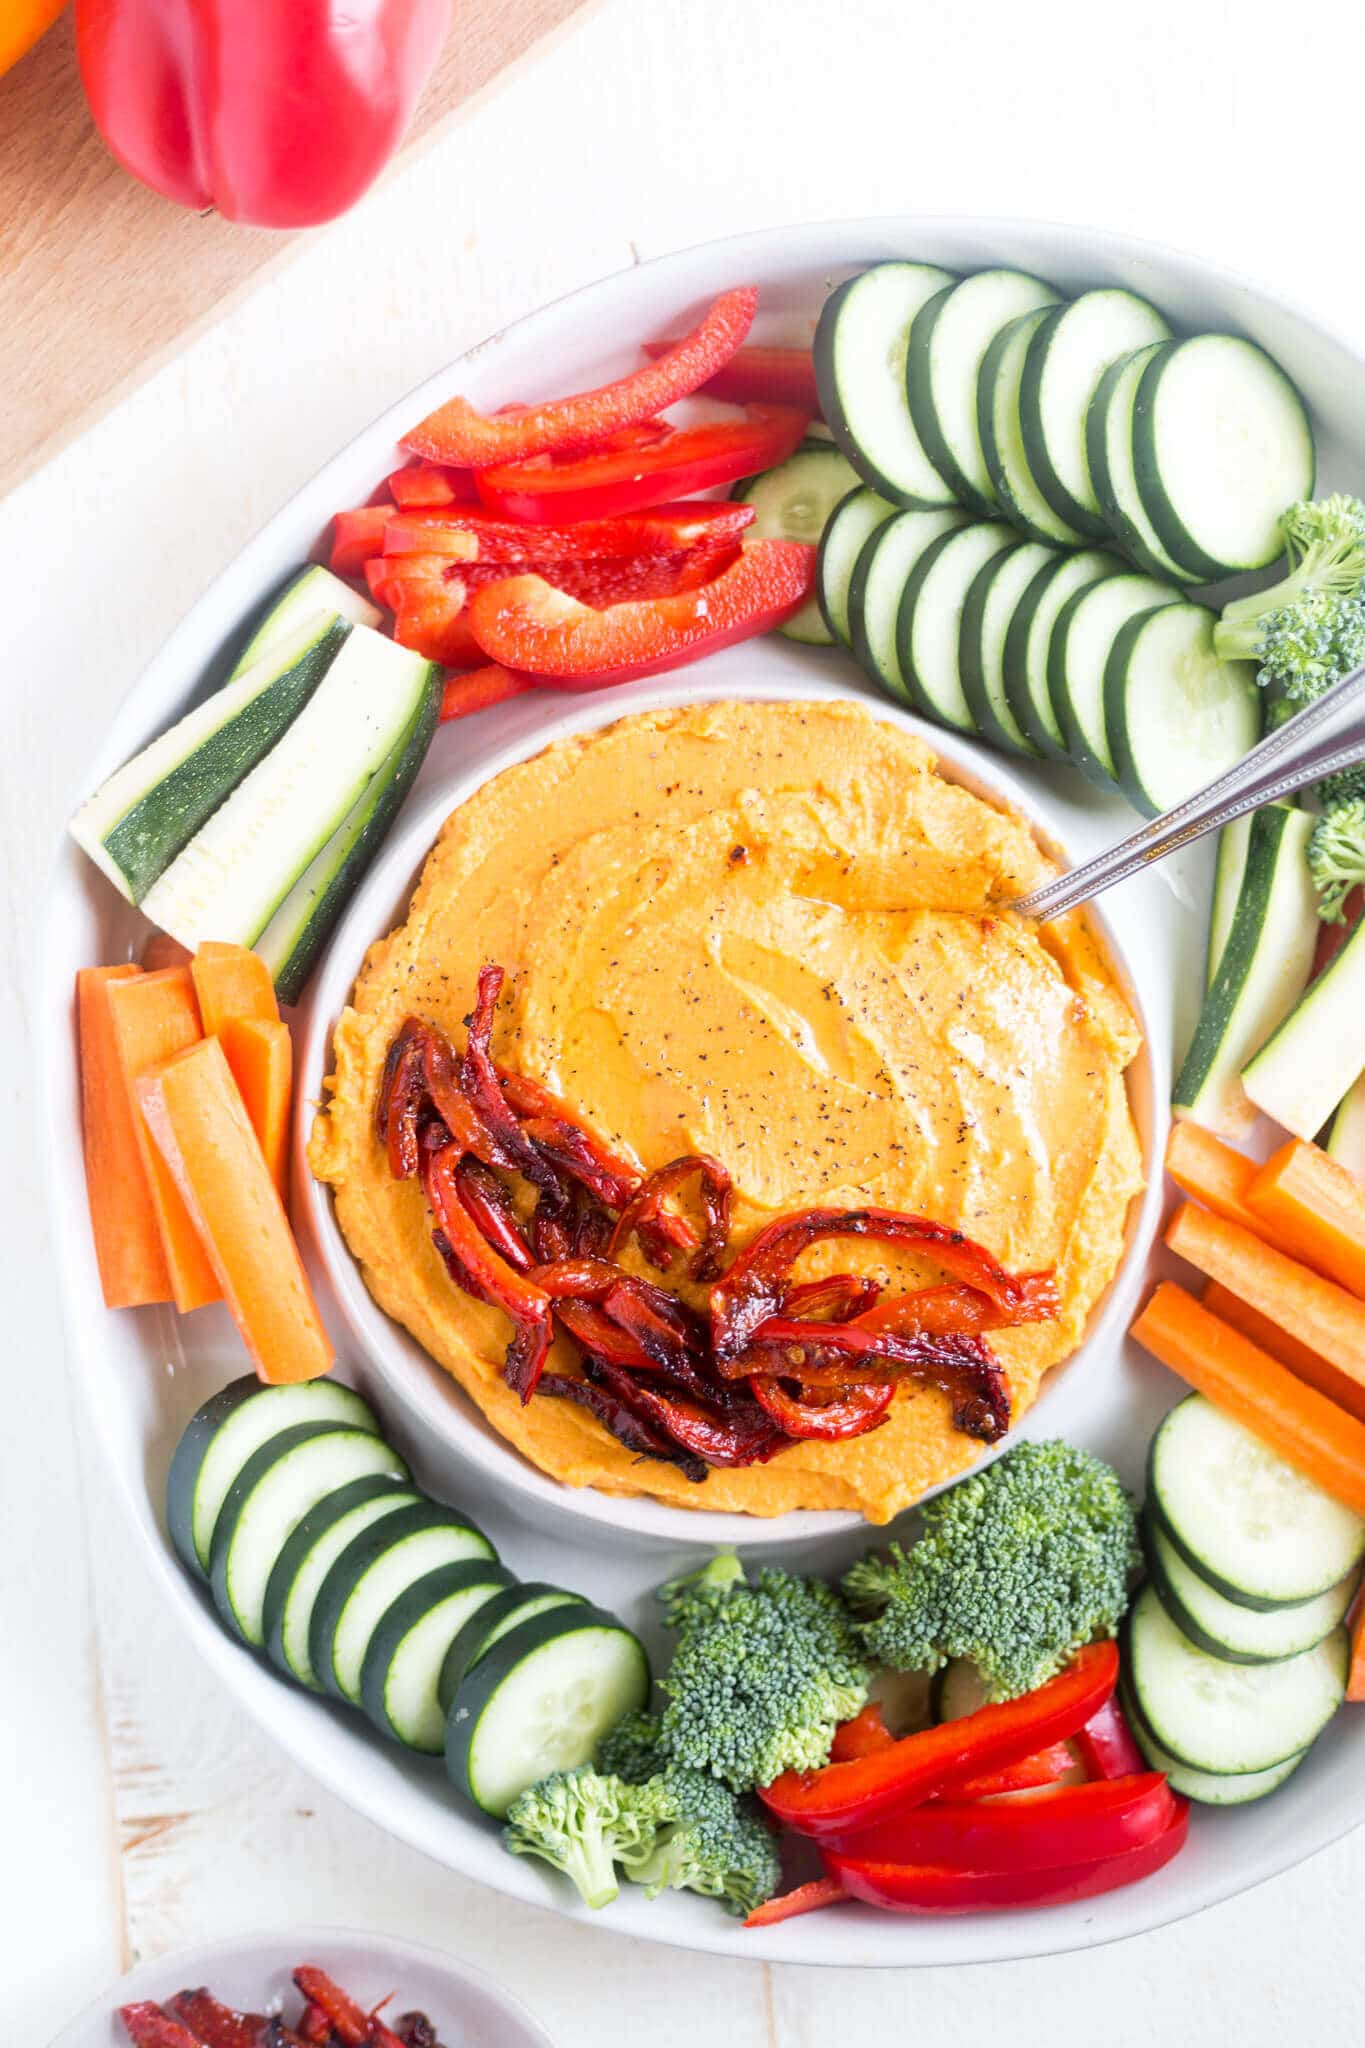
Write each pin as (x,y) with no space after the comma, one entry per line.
(632,1749)
(584,1822)
(717,1845)
(762,1675)
(1324,540)
(1018,1567)
(1336,856)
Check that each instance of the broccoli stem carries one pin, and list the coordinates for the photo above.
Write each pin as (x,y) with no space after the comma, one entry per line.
(591,1867)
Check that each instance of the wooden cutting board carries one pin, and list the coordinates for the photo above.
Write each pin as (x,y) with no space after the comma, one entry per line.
(101,280)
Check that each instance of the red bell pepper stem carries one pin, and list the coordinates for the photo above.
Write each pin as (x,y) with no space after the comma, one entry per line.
(912,1888)
(147,2026)
(774,376)
(806,1898)
(1106,1745)
(834,1801)
(864,1735)
(1044,1767)
(479,689)
(457,433)
(1055,1824)
(528,625)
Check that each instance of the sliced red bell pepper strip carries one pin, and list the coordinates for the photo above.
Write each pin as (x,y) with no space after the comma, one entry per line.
(432,483)
(841,1798)
(805,1898)
(478,1269)
(457,433)
(864,1735)
(1044,1767)
(847,1413)
(911,1888)
(357,536)
(1055,1824)
(666,529)
(478,689)
(147,2026)
(606,485)
(1106,1745)
(526,624)
(774,376)
(433,620)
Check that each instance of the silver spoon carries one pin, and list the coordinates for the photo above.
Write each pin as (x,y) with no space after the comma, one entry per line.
(1315,742)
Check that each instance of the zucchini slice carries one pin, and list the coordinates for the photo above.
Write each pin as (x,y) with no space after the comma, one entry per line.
(860,349)
(1229,1718)
(850,525)
(270,1497)
(306,593)
(1265,962)
(1082,641)
(298,1572)
(229,1429)
(372,1571)
(541,1701)
(929,625)
(1002,436)
(1175,713)
(948,345)
(1252,1527)
(398,1678)
(991,604)
(1071,349)
(1221,444)
(1306,1065)
(879,579)
(137,823)
(504,1612)
(1229,868)
(1109,453)
(1224,1628)
(1346,1138)
(1029,639)
(794,502)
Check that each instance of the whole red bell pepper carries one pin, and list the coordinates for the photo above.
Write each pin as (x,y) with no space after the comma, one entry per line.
(277,112)
(1028,1831)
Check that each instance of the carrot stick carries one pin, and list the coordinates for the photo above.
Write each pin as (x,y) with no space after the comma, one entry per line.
(154,1016)
(262,1061)
(1312,1206)
(1203,1167)
(128,1251)
(1306,1429)
(1302,1361)
(195,1114)
(161,950)
(231,982)
(1324,1316)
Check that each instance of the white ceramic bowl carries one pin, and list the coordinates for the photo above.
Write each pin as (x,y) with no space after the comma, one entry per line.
(437,1412)
(141,1374)
(467,2009)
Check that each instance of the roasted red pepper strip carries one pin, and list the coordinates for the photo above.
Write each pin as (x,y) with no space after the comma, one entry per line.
(773,376)
(839,1295)
(619,1417)
(441,1073)
(864,1735)
(424,484)
(842,1798)
(953,1309)
(399,1105)
(218,2026)
(1044,1767)
(910,1888)
(475,535)
(480,1272)
(531,1101)
(346,2017)
(457,433)
(735,1438)
(572,1154)
(1031,1831)
(805,1898)
(843,1355)
(608,485)
(479,689)
(480,1085)
(526,624)
(1106,1745)
(315,2025)
(852,1412)
(645,1207)
(754,1288)
(490,1208)
(600,1337)
(149,2027)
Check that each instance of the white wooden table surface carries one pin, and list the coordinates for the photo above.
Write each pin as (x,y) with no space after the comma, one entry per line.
(140,1811)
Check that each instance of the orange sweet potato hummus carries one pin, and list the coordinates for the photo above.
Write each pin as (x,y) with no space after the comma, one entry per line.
(769,932)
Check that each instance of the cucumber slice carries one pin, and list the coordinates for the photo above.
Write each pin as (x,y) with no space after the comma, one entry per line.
(270,1497)
(221,1436)
(1109,452)
(1208,1788)
(794,502)
(298,1572)
(991,604)
(1002,436)
(541,1701)
(1229,868)
(506,1611)
(1029,640)
(1224,1628)
(1253,1528)
(1082,642)
(929,624)
(948,344)
(306,593)
(1304,1068)
(1221,444)
(1175,713)
(860,349)
(878,583)
(1071,349)
(1266,960)
(372,1571)
(1229,1718)
(851,524)
(137,823)
(295,935)
(398,1678)
(1346,1138)
(232,876)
